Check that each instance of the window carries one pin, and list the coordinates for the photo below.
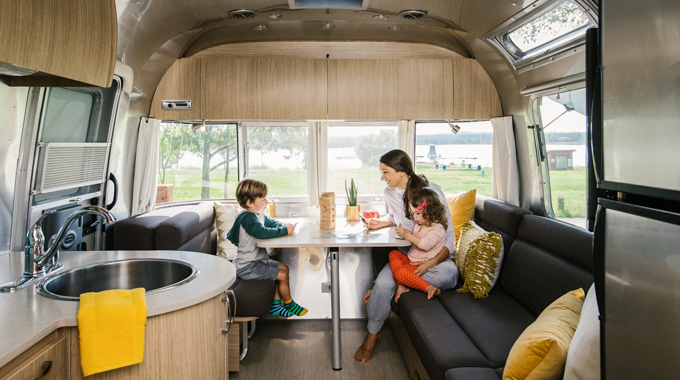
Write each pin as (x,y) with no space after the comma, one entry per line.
(542,30)
(277,155)
(354,151)
(197,161)
(563,152)
(456,162)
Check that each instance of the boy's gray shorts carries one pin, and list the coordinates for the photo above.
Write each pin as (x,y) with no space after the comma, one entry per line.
(259,270)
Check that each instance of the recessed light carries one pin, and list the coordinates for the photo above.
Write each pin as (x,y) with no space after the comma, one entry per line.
(381,17)
(394,28)
(328,26)
(260,28)
(274,15)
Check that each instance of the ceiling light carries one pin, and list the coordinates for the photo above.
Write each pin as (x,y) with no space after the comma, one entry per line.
(328,26)
(381,17)
(260,28)
(274,16)
(394,28)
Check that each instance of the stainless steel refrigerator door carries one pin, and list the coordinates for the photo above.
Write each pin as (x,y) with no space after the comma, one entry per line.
(641,331)
(641,93)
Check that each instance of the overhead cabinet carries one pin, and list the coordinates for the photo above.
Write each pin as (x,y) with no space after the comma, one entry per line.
(348,89)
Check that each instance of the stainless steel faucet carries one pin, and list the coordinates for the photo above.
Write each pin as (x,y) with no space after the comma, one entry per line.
(37,261)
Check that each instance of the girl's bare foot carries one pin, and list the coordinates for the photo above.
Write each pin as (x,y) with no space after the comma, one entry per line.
(432,291)
(401,289)
(365,351)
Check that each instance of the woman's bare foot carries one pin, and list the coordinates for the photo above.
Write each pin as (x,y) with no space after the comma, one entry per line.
(365,351)
(401,289)
(432,291)
(367,295)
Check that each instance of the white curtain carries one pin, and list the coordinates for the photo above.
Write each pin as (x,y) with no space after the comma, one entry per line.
(406,137)
(317,160)
(505,170)
(146,166)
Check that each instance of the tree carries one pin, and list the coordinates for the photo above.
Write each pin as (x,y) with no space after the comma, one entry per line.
(170,147)
(271,139)
(371,147)
(209,142)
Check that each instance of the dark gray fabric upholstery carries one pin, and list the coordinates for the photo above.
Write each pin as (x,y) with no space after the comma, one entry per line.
(459,337)
(179,230)
(253,297)
(136,233)
(474,373)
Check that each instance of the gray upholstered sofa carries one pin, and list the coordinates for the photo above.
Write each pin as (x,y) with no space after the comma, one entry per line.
(455,336)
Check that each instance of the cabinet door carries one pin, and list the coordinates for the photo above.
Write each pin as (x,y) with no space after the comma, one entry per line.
(45,360)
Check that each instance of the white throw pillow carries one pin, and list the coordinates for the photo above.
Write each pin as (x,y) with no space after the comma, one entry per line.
(225,214)
(583,358)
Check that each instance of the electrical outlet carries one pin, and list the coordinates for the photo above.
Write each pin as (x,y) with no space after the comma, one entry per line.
(325,287)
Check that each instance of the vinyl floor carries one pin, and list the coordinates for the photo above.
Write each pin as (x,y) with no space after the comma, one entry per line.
(301,349)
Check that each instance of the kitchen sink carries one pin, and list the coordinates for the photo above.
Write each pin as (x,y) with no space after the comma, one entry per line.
(154,275)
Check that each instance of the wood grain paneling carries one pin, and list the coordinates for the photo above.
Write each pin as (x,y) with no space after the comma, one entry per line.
(181,82)
(264,89)
(475,96)
(390,89)
(74,39)
(184,344)
(52,349)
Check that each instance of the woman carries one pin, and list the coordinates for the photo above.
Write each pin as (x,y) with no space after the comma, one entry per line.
(397,172)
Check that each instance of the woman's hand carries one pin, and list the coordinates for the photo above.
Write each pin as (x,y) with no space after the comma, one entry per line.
(425,266)
(375,224)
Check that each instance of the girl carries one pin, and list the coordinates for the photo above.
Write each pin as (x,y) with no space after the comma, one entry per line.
(428,238)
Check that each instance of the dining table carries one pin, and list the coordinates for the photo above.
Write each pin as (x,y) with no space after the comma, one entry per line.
(308,233)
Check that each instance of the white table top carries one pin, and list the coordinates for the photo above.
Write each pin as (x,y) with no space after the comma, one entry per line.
(346,234)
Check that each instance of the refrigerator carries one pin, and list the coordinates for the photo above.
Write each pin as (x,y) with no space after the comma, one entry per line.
(634,84)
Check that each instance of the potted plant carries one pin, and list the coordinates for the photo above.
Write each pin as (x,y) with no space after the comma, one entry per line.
(352,210)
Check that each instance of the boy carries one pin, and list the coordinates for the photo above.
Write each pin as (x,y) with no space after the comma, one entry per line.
(252,262)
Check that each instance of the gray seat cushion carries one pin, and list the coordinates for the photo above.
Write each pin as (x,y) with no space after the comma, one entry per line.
(253,297)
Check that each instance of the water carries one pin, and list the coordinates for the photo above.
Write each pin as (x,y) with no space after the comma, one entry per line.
(345,158)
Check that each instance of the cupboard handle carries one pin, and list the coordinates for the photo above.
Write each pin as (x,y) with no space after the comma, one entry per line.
(44,369)
(230,313)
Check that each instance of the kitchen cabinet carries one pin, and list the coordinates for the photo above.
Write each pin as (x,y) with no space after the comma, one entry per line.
(47,359)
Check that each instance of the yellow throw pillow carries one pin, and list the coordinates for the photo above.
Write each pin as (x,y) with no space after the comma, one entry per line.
(541,351)
(478,257)
(462,208)
(225,214)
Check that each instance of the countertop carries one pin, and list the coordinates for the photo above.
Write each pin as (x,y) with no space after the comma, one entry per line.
(26,317)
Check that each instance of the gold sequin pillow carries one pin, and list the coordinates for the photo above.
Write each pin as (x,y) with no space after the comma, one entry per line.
(479,255)
(225,214)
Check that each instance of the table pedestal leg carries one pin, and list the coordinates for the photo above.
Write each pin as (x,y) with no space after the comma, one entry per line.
(335,308)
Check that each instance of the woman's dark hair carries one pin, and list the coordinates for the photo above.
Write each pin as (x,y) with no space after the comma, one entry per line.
(399,160)
(433,210)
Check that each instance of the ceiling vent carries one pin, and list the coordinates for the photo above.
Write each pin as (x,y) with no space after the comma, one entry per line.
(242,13)
(413,14)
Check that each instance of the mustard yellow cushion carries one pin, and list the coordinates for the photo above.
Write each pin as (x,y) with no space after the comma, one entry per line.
(225,214)
(540,352)
(478,257)
(462,208)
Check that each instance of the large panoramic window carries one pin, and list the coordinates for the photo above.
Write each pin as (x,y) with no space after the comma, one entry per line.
(277,155)
(456,161)
(197,161)
(354,151)
(563,152)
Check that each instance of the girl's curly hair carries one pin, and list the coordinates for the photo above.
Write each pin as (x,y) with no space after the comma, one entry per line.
(434,211)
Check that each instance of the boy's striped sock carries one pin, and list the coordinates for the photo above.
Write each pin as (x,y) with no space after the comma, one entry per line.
(294,308)
(277,309)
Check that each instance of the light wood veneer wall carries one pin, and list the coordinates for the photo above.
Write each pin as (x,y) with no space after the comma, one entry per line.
(348,89)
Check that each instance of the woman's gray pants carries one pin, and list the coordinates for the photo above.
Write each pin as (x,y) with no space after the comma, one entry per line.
(443,276)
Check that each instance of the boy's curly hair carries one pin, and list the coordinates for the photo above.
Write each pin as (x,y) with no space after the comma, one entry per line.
(249,190)
(434,211)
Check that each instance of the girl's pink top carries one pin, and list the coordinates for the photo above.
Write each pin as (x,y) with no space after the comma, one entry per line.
(432,241)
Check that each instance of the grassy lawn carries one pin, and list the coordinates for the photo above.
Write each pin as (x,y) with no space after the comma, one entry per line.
(568,184)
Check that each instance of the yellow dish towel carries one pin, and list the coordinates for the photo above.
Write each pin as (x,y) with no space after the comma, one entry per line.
(111,325)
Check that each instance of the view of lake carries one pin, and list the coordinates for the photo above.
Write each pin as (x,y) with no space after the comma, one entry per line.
(338,158)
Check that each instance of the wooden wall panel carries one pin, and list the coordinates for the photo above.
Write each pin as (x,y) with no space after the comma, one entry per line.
(265,89)
(73,39)
(181,82)
(390,89)
(475,96)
